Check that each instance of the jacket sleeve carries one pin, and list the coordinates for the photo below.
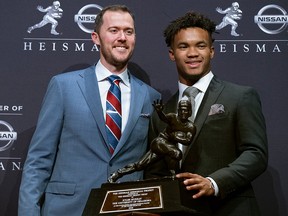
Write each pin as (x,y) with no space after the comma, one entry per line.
(251,146)
(42,151)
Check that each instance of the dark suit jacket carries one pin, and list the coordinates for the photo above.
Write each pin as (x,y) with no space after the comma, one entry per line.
(230,147)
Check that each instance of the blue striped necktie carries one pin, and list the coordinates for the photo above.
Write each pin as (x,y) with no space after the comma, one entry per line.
(113,112)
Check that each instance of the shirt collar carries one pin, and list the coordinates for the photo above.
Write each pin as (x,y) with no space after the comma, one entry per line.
(202,84)
(102,73)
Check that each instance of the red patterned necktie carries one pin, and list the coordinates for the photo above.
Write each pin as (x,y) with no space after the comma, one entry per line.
(113,112)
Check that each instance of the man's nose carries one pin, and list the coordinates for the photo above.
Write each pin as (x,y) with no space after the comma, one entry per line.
(122,35)
(192,51)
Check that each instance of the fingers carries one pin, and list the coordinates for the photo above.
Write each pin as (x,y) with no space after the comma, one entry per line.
(158,103)
(186,175)
(197,183)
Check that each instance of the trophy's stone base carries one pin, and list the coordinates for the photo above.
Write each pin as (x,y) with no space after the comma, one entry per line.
(165,197)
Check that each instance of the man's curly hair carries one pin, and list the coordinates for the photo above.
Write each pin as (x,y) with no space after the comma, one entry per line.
(189,20)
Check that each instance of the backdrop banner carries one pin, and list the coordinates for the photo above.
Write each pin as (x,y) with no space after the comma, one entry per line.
(249,51)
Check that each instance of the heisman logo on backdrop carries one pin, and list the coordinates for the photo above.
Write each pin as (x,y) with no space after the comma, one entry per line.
(231,16)
(52,13)
(84,18)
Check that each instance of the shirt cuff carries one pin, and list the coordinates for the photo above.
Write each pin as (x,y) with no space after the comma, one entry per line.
(214,186)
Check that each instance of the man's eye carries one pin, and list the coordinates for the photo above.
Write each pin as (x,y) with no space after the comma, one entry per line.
(113,30)
(182,47)
(129,32)
(202,46)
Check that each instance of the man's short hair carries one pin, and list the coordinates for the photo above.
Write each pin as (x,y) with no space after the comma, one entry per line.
(99,18)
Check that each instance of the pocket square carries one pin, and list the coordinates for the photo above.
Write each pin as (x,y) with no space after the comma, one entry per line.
(145,115)
(216,109)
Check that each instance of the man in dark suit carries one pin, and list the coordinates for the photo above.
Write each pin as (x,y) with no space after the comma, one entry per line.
(229,149)
(70,152)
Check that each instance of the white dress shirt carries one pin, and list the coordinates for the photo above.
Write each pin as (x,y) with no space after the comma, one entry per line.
(101,74)
(202,85)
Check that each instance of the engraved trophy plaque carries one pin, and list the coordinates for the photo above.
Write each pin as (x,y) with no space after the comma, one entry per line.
(160,196)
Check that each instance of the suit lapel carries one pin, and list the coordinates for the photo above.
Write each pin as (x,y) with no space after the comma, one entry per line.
(210,97)
(90,90)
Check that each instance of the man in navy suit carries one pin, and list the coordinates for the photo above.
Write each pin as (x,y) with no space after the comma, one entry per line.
(229,149)
(69,152)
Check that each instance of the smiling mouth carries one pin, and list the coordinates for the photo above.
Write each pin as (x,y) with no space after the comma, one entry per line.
(121,48)
(193,64)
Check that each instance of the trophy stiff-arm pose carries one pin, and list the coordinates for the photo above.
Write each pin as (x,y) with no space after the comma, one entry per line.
(179,130)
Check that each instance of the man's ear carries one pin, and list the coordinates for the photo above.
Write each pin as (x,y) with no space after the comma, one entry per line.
(212,51)
(95,38)
(171,54)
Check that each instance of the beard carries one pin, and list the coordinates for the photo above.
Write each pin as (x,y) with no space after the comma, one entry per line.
(118,62)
